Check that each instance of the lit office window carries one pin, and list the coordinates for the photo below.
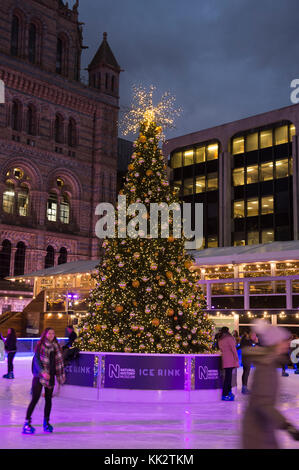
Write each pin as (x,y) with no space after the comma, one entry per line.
(252,174)
(239,209)
(212,241)
(200,184)
(281,135)
(239,239)
(212,151)
(292,132)
(282,168)
(238,177)
(267,205)
(267,236)
(252,207)
(266,139)
(176,160)
(200,155)
(251,142)
(238,145)
(188,158)
(177,184)
(253,238)
(212,182)
(267,171)
(188,186)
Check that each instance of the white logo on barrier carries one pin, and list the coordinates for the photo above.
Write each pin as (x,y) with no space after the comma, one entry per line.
(295,354)
(207,374)
(115,372)
(2,92)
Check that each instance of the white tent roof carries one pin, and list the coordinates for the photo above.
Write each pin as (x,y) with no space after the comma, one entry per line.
(83,266)
(275,251)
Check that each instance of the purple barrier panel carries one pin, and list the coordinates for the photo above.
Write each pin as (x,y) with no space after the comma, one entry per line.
(144,373)
(208,374)
(81,371)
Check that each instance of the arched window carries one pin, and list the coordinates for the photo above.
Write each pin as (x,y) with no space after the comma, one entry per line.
(52,205)
(112,82)
(106,81)
(64,210)
(62,256)
(23,200)
(71,133)
(62,55)
(20,259)
(99,80)
(32,37)
(15,30)
(31,120)
(9,198)
(16,114)
(59,54)
(59,129)
(49,258)
(5,259)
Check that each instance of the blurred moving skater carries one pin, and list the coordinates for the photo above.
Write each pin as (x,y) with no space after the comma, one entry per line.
(230,360)
(261,418)
(10,345)
(46,364)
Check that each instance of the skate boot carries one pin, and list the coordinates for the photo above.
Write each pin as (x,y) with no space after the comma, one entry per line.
(245,390)
(6,376)
(27,428)
(47,426)
(296,371)
(284,374)
(10,375)
(228,397)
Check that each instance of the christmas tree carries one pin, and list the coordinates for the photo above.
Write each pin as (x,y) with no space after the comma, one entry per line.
(146,298)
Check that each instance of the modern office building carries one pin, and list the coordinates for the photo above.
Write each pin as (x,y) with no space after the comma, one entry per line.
(246,173)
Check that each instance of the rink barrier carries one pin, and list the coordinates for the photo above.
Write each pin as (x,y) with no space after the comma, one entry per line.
(144,377)
(26,346)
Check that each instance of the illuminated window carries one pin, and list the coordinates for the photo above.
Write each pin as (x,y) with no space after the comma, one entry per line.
(212,241)
(239,239)
(64,211)
(238,176)
(52,207)
(177,184)
(238,145)
(266,139)
(282,168)
(9,198)
(176,160)
(23,201)
(200,184)
(239,209)
(212,181)
(200,155)
(59,182)
(267,236)
(267,205)
(212,151)
(292,132)
(281,135)
(253,238)
(188,157)
(267,171)
(252,174)
(252,207)
(251,142)
(188,186)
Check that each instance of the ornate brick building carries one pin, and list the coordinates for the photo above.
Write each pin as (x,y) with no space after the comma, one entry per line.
(58,136)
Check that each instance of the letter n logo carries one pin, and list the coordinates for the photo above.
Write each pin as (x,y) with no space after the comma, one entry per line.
(203,372)
(113,371)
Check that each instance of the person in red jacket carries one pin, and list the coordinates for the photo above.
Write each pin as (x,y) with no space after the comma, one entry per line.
(230,360)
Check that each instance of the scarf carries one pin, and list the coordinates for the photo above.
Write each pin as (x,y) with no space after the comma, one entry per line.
(46,348)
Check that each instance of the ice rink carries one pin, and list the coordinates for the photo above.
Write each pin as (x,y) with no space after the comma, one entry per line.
(88,424)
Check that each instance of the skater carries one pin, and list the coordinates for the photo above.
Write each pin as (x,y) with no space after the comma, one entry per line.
(69,351)
(47,363)
(10,345)
(261,418)
(2,349)
(227,346)
(245,342)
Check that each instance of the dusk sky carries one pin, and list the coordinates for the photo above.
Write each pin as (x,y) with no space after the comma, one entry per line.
(222,59)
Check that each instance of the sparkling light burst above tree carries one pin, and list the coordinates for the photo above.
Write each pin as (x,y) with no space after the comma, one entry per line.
(146,298)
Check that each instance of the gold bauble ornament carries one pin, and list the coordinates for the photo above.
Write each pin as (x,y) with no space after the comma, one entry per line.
(97,327)
(169,274)
(119,308)
(149,172)
(142,138)
(136,283)
(170,312)
(156,322)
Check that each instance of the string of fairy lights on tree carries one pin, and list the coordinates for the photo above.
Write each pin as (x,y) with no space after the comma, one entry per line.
(146,298)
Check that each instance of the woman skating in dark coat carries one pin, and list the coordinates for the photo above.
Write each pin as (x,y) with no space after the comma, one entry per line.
(261,418)
(10,345)
(47,363)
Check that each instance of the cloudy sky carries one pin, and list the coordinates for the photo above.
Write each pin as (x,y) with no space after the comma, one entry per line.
(222,59)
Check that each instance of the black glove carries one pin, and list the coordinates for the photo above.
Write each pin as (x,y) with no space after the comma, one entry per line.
(294,432)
